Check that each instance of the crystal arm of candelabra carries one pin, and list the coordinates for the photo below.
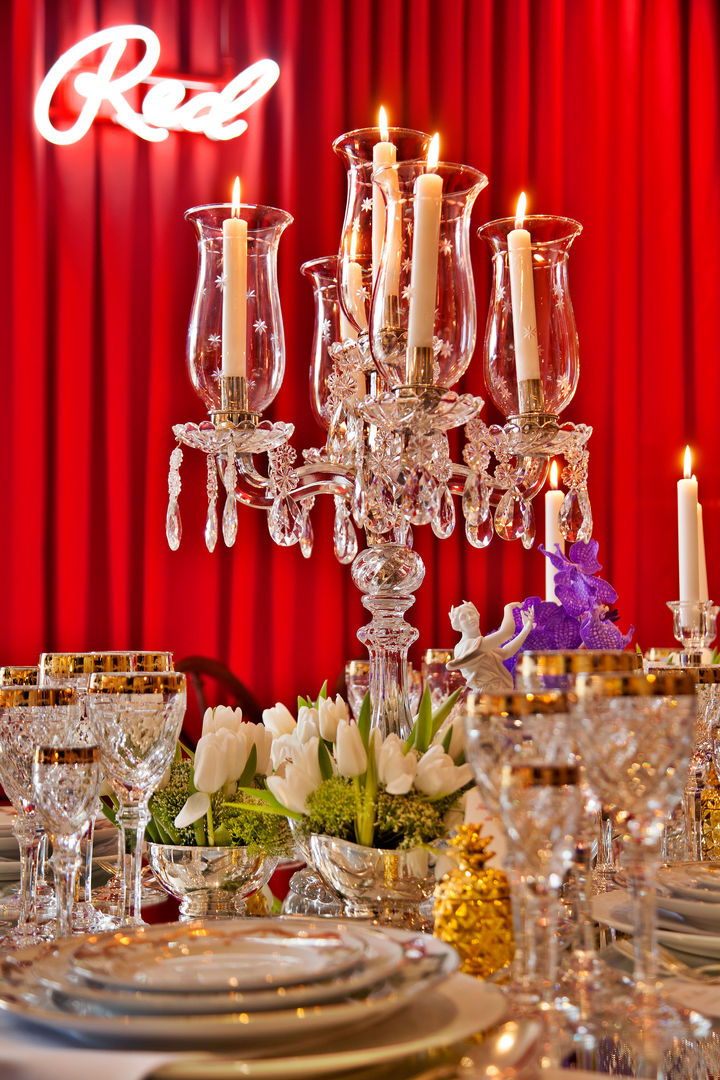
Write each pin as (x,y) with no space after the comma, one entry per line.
(534,475)
(318,478)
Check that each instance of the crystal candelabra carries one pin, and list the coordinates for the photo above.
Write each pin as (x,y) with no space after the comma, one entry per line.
(384,393)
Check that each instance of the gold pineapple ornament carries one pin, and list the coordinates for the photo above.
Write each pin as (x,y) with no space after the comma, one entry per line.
(472,907)
(710,817)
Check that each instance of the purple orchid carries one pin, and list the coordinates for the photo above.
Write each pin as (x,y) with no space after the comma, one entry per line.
(553,628)
(583,613)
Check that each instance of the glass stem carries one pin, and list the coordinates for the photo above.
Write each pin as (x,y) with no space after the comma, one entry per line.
(29,844)
(607,851)
(582,874)
(132,819)
(542,958)
(642,866)
(85,868)
(65,862)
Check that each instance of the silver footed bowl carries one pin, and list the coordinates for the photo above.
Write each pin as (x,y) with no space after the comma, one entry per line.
(386,886)
(209,881)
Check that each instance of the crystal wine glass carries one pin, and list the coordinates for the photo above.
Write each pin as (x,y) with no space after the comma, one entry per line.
(136,719)
(74,670)
(30,716)
(19,675)
(635,733)
(521,749)
(66,782)
(357,684)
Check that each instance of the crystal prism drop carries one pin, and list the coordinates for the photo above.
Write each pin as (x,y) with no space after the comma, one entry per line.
(528,517)
(472,497)
(306,536)
(359,501)
(173,525)
(230,520)
(509,523)
(211,526)
(344,536)
(585,530)
(444,521)
(571,518)
(421,496)
(481,534)
(285,522)
(380,508)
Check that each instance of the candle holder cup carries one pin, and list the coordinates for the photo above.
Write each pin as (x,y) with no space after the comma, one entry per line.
(439,362)
(546,396)
(694,626)
(355,148)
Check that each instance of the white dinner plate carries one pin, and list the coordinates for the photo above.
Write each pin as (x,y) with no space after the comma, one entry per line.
(694,881)
(462,1006)
(383,958)
(221,955)
(21,995)
(456,1009)
(614,909)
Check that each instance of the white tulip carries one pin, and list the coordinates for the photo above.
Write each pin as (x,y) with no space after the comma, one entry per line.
(237,746)
(331,712)
(209,767)
(395,769)
(222,716)
(307,723)
(293,788)
(279,719)
(306,758)
(437,773)
(283,748)
(457,739)
(196,806)
(349,749)
(263,740)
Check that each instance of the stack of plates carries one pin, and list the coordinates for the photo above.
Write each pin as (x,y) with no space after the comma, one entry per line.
(229,982)
(105,843)
(688,908)
(9,855)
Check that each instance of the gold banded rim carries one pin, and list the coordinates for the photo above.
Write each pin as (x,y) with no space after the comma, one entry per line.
(156,682)
(17,675)
(576,661)
(25,696)
(438,656)
(518,703)
(653,684)
(543,775)
(65,665)
(67,755)
(132,661)
(706,674)
(357,667)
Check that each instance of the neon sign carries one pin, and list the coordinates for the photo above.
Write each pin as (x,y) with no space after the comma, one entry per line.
(210,112)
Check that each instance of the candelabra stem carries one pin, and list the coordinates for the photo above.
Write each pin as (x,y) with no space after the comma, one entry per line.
(388,575)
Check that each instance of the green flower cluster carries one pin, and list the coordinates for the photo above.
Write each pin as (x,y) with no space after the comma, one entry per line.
(233,825)
(401,821)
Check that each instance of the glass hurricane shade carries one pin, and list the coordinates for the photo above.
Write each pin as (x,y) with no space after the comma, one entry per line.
(264,336)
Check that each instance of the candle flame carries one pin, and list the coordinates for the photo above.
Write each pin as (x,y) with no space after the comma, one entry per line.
(236,198)
(554,475)
(687,471)
(434,151)
(383,125)
(520,211)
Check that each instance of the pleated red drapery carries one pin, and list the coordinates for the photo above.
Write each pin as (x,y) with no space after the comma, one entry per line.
(605,112)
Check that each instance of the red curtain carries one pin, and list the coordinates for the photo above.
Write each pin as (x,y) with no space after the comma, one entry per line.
(603,111)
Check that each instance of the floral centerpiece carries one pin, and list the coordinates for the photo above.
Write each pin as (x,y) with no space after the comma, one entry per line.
(336,776)
(196,803)
(367,810)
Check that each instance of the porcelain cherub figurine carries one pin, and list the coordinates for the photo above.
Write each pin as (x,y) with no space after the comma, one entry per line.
(480,659)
